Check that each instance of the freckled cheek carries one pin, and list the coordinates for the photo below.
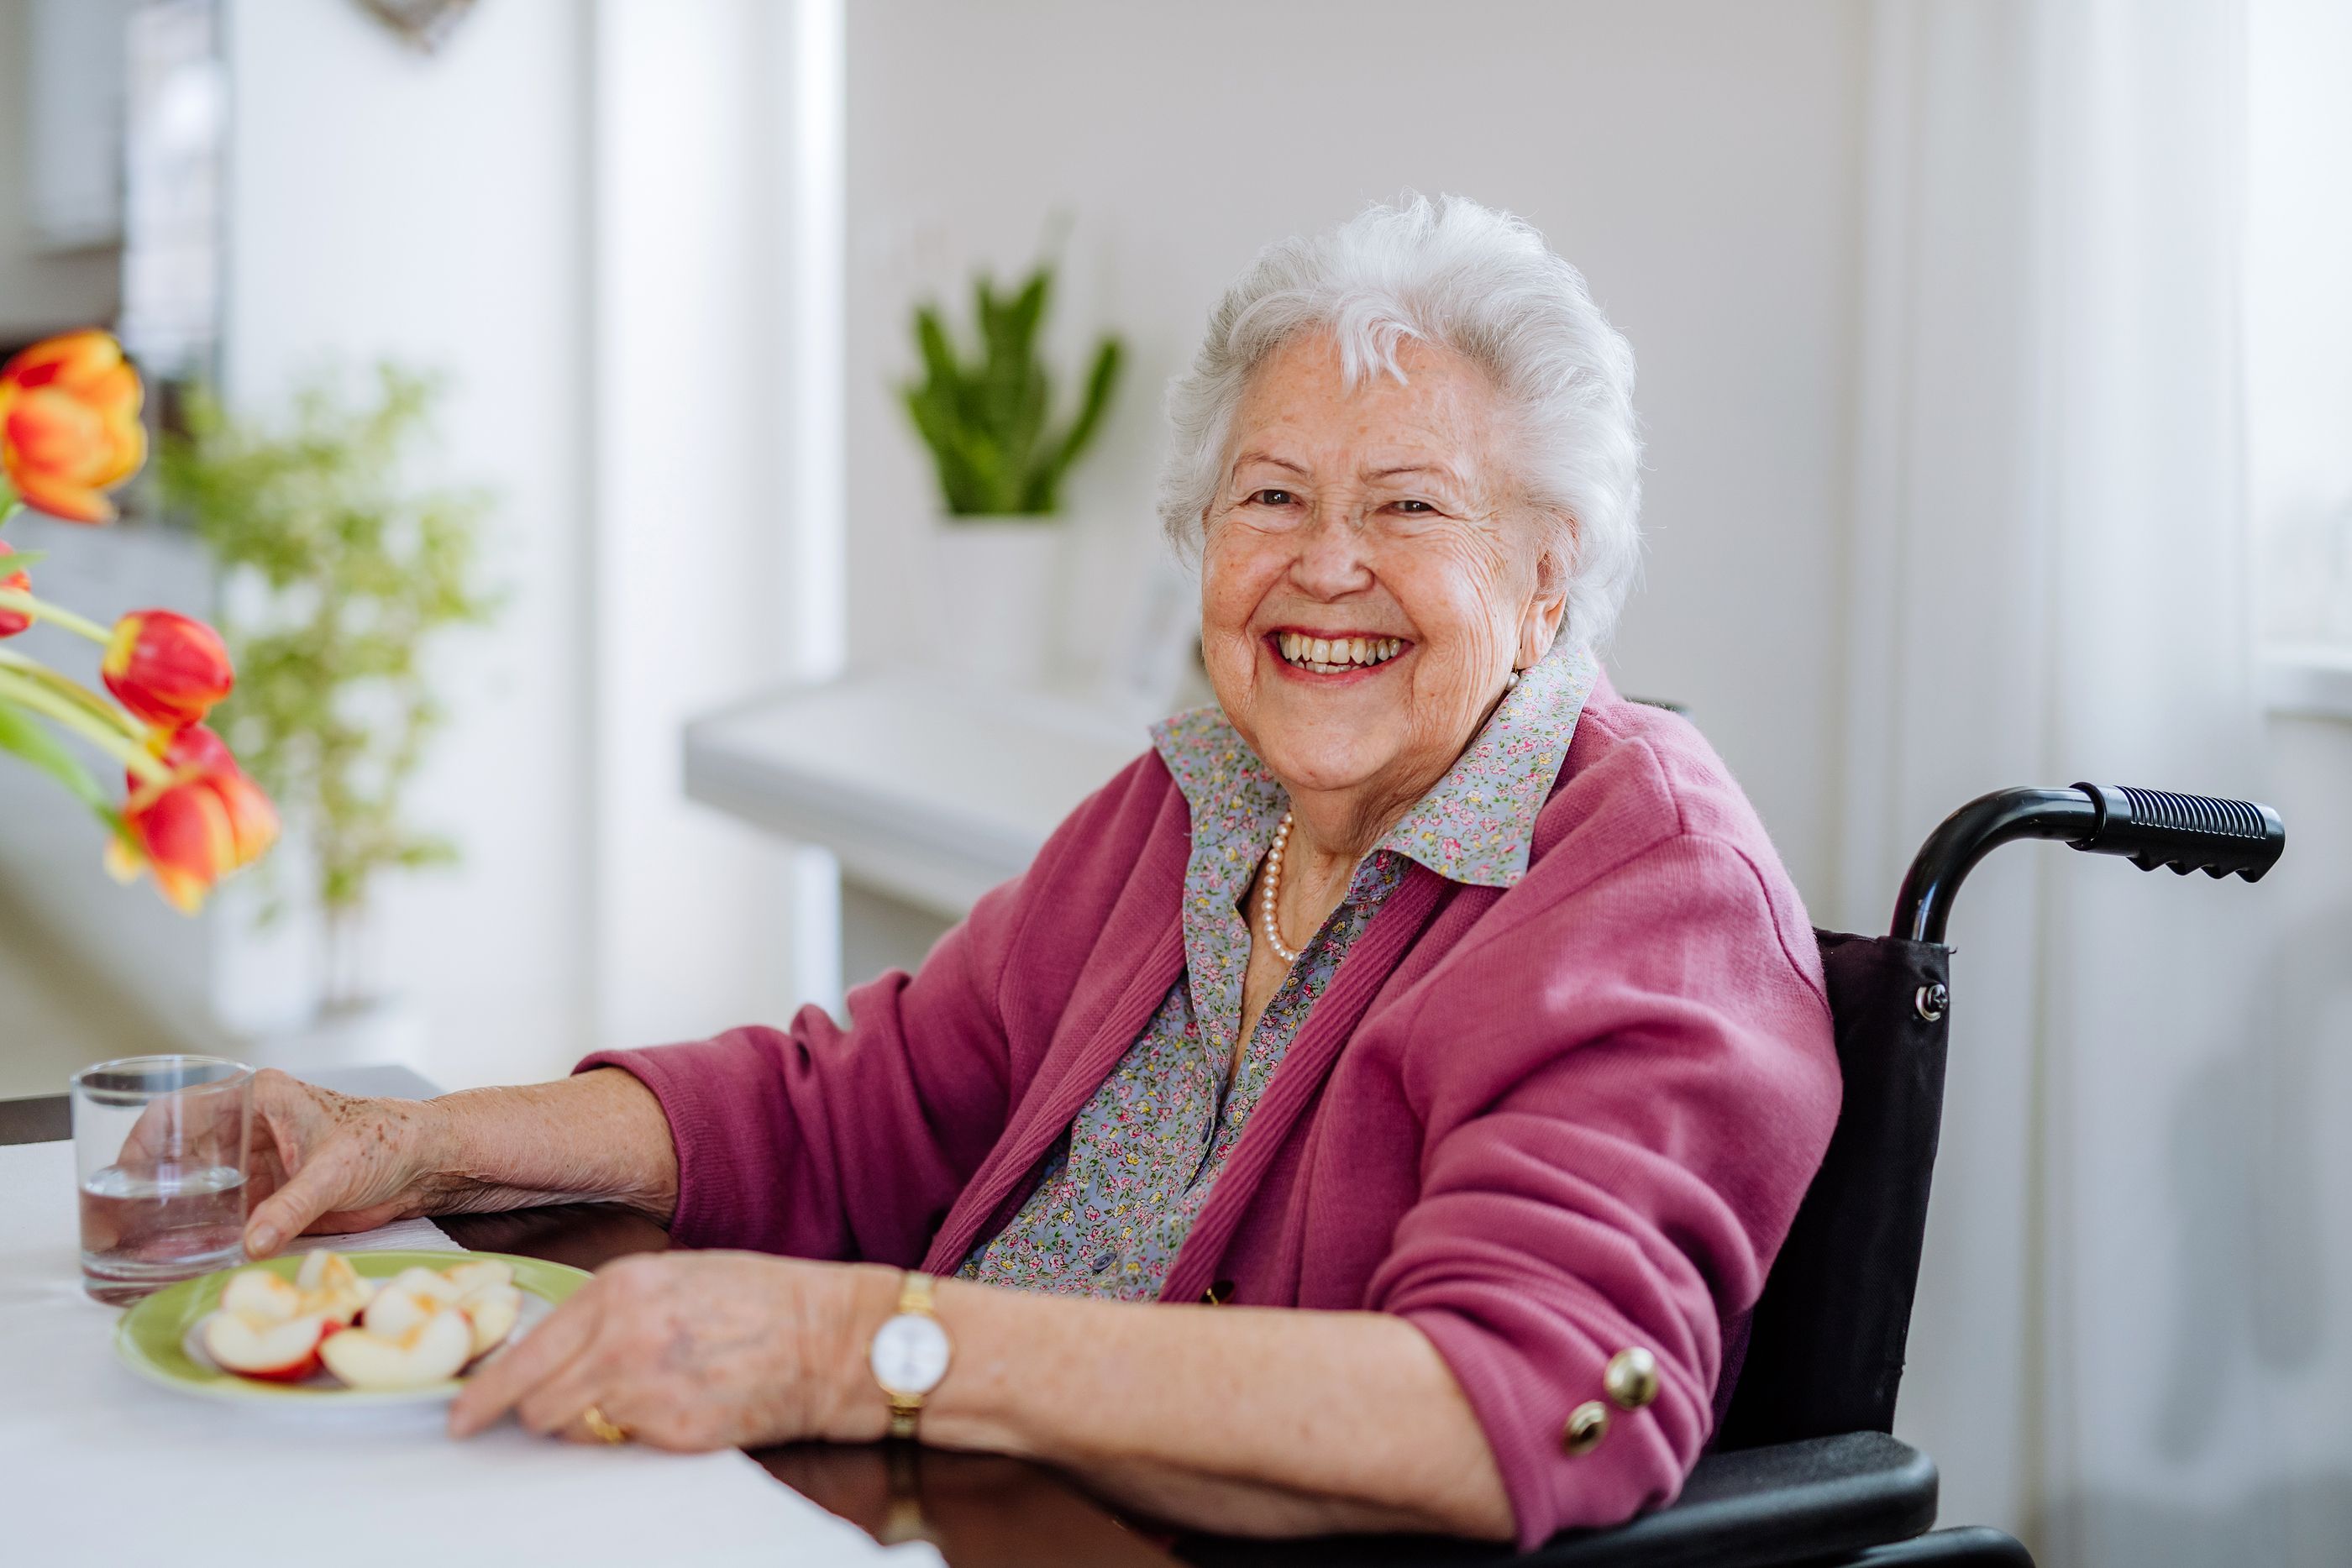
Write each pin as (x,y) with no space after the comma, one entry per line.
(1234,580)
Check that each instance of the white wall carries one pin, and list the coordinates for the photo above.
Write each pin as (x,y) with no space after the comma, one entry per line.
(693,169)
(1698,159)
(2299,315)
(581,213)
(434,208)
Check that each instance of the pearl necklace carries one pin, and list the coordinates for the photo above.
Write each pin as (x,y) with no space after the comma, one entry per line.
(1269,889)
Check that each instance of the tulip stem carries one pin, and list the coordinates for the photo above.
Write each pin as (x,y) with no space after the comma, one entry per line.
(16,687)
(41,610)
(73,691)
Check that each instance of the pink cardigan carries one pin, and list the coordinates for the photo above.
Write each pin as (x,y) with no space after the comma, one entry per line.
(1544,1124)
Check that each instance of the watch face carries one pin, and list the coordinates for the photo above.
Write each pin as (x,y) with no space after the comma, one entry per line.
(910,1354)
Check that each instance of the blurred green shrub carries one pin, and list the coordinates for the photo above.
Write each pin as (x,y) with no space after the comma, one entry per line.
(338,574)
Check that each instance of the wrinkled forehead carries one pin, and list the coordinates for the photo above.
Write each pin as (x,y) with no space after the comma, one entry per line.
(1435,415)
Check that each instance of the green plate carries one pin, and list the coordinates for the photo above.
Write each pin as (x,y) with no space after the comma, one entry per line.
(153,1339)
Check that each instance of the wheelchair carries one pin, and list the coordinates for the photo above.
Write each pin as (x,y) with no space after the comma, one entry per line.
(1804,1469)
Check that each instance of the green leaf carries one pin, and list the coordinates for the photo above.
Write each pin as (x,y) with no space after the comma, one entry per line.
(17,560)
(1045,486)
(986,418)
(28,738)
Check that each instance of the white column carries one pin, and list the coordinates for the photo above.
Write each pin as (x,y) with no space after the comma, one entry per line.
(817,580)
(716,504)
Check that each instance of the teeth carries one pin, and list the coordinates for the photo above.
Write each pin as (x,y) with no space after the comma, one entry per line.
(1331,655)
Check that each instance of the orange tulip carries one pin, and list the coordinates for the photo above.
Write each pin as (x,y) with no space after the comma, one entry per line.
(69,426)
(205,822)
(165,667)
(12,622)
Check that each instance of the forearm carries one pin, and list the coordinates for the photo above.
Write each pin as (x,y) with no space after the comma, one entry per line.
(1265,1421)
(599,1137)
(1246,1508)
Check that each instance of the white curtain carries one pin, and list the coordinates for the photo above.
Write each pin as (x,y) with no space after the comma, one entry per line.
(2124,1349)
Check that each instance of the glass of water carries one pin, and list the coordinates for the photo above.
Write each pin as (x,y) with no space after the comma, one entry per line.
(160,1148)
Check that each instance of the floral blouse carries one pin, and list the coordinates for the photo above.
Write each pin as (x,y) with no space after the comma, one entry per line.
(1123,1186)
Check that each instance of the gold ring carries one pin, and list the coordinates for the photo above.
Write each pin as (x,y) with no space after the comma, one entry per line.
(606,1428)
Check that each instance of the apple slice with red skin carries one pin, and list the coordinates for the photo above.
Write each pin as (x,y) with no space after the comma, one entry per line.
(431,1351)
(492,1314)
(285,1350)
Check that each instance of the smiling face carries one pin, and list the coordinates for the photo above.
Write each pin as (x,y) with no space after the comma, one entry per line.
(1370,576)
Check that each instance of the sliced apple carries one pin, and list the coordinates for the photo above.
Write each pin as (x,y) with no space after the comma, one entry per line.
(330,1284)
(422,1282)
(258,1294)
(275,1351)
(397,1308)
(479,1274)
(332,1273)
(493,1312)
(432,1351)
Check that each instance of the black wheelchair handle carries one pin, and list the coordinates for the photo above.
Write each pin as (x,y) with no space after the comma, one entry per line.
(2150,828)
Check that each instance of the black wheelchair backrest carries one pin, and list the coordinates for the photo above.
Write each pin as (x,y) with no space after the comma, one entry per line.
(1824,1347)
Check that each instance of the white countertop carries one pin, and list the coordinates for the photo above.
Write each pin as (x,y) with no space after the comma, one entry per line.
(927,787)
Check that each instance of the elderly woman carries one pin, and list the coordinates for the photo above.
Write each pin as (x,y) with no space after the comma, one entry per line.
(1377,1107)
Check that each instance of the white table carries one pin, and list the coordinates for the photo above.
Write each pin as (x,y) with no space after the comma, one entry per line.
(98,1466)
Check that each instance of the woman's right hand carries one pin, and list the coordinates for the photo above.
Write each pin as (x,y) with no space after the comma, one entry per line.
(333,1164)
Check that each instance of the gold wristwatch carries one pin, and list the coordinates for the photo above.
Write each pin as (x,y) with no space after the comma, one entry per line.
(909,1354)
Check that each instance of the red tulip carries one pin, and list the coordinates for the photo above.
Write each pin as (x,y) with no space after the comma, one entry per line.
(12,621)
(205,822)
(69,426)
(166,668)
(253,820)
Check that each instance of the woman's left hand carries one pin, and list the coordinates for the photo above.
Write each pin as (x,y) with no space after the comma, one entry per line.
(696,1351)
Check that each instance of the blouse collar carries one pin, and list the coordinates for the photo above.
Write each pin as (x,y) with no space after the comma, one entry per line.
(1477,825)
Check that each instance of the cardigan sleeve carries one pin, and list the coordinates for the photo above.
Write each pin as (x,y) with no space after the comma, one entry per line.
(1617,1172)
(850,1143)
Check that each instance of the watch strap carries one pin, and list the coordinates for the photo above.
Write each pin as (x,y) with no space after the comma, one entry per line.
(914,1297)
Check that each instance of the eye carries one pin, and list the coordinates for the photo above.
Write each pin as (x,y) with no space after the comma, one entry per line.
(1412,508)
(1271,498)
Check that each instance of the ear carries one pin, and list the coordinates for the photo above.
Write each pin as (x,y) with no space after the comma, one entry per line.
(1547,606)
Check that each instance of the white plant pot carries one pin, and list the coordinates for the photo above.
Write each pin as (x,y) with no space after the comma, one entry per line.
(384,1030)
(998,589)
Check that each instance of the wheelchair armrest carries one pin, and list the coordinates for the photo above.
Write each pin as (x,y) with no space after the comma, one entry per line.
(1788,1502)
(1758,1508)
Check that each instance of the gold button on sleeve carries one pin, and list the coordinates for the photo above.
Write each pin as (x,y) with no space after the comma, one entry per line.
(1631,1379)
(1587,1425)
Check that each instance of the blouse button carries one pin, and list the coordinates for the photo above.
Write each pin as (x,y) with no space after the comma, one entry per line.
(1632,1378)
(1103,1261)
(1587,1425)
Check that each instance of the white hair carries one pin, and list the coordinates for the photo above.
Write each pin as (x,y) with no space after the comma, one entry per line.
(1465,277)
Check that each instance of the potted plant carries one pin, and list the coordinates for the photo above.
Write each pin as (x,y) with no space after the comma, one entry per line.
(987,418)
(339,575)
